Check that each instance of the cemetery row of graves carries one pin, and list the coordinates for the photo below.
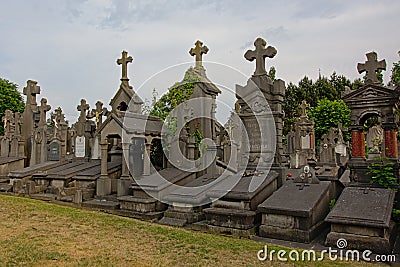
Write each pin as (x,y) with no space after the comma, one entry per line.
(244,181)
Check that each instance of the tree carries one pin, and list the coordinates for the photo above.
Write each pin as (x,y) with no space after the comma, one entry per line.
(395,77)
(329,114)
(10,98)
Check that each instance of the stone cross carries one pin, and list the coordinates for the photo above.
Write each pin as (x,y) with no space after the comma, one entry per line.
(259,54)
(198,51)
(82,108)
(99,112)
(31,90)
(371,66)
(42,110)
(124,60)
(18,122)
(7,121)
(304,107)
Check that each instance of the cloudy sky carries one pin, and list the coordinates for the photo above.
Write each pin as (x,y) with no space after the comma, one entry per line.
(70,46)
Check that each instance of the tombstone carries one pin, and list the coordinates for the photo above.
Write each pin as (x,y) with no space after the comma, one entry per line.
(301,141)
(98,114)
(235,212)
(85,132)
(39,137)
(296,211)
(54,151)
(362,214)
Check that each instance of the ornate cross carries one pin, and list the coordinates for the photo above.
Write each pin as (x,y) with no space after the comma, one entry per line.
(124,60)
(82,108)
(198,51)
(43,109)
(304,107)
(371,66)
(31,90)
(259,54)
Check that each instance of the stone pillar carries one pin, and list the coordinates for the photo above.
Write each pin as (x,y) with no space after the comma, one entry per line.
(391,149)
(146,158)
(103,186)
(125,180)
(358,143)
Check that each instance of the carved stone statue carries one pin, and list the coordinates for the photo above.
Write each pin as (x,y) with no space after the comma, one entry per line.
(375,138)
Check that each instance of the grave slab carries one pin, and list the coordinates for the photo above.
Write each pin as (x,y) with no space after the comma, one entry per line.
(296,211)
(362,216)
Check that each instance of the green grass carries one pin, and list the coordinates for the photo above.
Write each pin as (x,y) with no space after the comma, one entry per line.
(34,233)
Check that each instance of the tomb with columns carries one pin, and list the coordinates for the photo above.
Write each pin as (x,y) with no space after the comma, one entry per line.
(234,201)
(362,213)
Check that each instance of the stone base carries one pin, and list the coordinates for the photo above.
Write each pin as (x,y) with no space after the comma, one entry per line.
(297,235)
(148,216)
(101,205)
(180,216)
(103,186)
(203,226)
(139,204)
(44,197)
(232,218)
(123,185)
(377,244)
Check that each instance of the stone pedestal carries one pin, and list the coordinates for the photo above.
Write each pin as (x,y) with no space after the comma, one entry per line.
(362,217)
(295,213)
(123,185)
(103,186)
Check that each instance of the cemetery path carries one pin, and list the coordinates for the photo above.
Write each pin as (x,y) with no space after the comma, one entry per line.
(35,233)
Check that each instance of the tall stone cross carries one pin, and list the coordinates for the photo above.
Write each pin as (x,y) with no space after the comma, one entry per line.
(259,54)
(31,90)
(198,52)
(124,60)
(83,107)
(43,108)
(304,107)
(371,66)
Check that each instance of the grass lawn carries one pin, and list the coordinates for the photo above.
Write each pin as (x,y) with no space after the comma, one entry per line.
(34,233)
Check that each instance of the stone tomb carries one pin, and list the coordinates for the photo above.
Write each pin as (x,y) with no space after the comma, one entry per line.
(362,217)
(142,205)
(297,210)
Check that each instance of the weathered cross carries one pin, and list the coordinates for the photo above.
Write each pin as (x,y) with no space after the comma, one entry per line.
(82,108)
(43,109)
(304,107)
(31,90)
(124,60)
(259,54)
(99,112)
(198,51)
(18,122)
(7,121)
(371,66)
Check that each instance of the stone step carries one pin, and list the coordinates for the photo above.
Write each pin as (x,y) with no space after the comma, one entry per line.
(172,221)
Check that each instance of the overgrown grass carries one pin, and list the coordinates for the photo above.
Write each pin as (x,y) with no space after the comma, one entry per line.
(34,233)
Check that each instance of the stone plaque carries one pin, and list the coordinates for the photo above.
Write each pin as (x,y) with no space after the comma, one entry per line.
(254,133)
(80,148)
(54,151)
(305,142)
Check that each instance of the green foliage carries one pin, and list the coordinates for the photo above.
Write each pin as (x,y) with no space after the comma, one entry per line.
(332,204)
(10,98)
(382,173)
(324,88)
(329,114)
(395,77)
(177,94)
(272,73)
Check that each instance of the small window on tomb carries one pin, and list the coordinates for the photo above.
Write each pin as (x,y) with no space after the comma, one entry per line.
(122,106)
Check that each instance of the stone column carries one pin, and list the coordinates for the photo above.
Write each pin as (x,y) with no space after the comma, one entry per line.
(125,180)
(103,186)
(146,157)
(358,143)
(391,149)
